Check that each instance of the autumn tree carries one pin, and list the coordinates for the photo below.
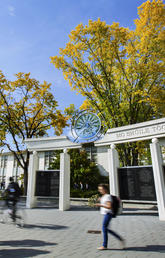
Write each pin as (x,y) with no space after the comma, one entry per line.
(119,71)
(27,110)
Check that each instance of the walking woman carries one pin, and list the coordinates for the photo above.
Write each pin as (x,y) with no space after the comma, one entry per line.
(106,210)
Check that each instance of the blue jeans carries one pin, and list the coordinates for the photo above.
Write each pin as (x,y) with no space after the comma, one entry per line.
(106,221)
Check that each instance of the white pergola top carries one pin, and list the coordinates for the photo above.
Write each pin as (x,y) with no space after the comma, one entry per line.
(130,133)
(136,132)
(50,143)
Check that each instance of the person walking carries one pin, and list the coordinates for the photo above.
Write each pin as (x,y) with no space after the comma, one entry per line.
(13,193)
(106,210)
(75,185)
(87,186)
(81,186)
(2,185)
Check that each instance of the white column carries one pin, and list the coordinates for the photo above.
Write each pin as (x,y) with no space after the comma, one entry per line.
(64,194)
(41,160)
(33,166)
(157,164)
(113,164)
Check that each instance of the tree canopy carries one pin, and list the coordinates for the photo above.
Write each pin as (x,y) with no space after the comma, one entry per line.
(119,71)
(27,109)
(82,168)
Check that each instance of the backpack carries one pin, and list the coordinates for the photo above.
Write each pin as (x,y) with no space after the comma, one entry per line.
(116,204)
(13,191)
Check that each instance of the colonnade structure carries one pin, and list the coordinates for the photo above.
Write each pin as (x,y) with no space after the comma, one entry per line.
(152,130)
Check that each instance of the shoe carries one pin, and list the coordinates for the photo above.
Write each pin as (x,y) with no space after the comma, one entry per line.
(101,248)
(18,225)
(122,244)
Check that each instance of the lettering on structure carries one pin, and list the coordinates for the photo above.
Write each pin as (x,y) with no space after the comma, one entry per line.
(141,132)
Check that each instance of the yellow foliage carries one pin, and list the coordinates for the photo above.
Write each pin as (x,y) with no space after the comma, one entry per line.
(119,71)
(85,105)
(27,109)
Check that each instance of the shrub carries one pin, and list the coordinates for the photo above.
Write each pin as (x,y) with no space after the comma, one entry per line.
(77,193)
(93,200)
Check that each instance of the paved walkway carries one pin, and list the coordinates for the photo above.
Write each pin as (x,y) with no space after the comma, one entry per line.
(52,233)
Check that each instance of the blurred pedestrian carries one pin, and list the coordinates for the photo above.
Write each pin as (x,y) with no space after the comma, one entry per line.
(2,185)
(75,185)
(86,186)
(13,193)
(106,210)
(81,186)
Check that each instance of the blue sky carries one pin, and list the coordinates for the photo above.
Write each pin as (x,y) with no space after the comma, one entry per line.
(33,30)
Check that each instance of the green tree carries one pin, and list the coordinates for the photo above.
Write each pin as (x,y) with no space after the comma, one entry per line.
(119,71)
(82,168)
(27,110)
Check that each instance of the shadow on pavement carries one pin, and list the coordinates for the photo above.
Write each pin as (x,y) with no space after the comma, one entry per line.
(22,253)
(139,212)
(46,207)
(82,208)
(45,226)
(126,212)
(25,243)
(147,248)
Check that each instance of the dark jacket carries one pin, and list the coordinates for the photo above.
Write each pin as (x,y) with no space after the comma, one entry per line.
(13,191)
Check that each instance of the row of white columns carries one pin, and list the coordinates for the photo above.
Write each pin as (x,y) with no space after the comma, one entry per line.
(159,177)
(113,164)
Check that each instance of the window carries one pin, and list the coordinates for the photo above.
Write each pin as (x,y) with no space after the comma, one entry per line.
(3,168)
(49,156)
(3,161)
(91,151)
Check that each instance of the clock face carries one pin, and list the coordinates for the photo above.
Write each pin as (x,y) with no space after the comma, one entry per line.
(87,125)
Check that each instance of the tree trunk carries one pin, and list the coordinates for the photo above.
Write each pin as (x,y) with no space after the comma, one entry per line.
(25,180)
(26,172)
(128,154)
(135,161)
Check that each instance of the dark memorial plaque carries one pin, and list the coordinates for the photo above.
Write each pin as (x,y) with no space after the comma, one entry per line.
(47,183)
(136,183)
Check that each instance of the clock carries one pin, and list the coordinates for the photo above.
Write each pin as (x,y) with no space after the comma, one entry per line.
(86,126)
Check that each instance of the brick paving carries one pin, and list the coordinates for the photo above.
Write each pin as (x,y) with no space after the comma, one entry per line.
(51,233)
